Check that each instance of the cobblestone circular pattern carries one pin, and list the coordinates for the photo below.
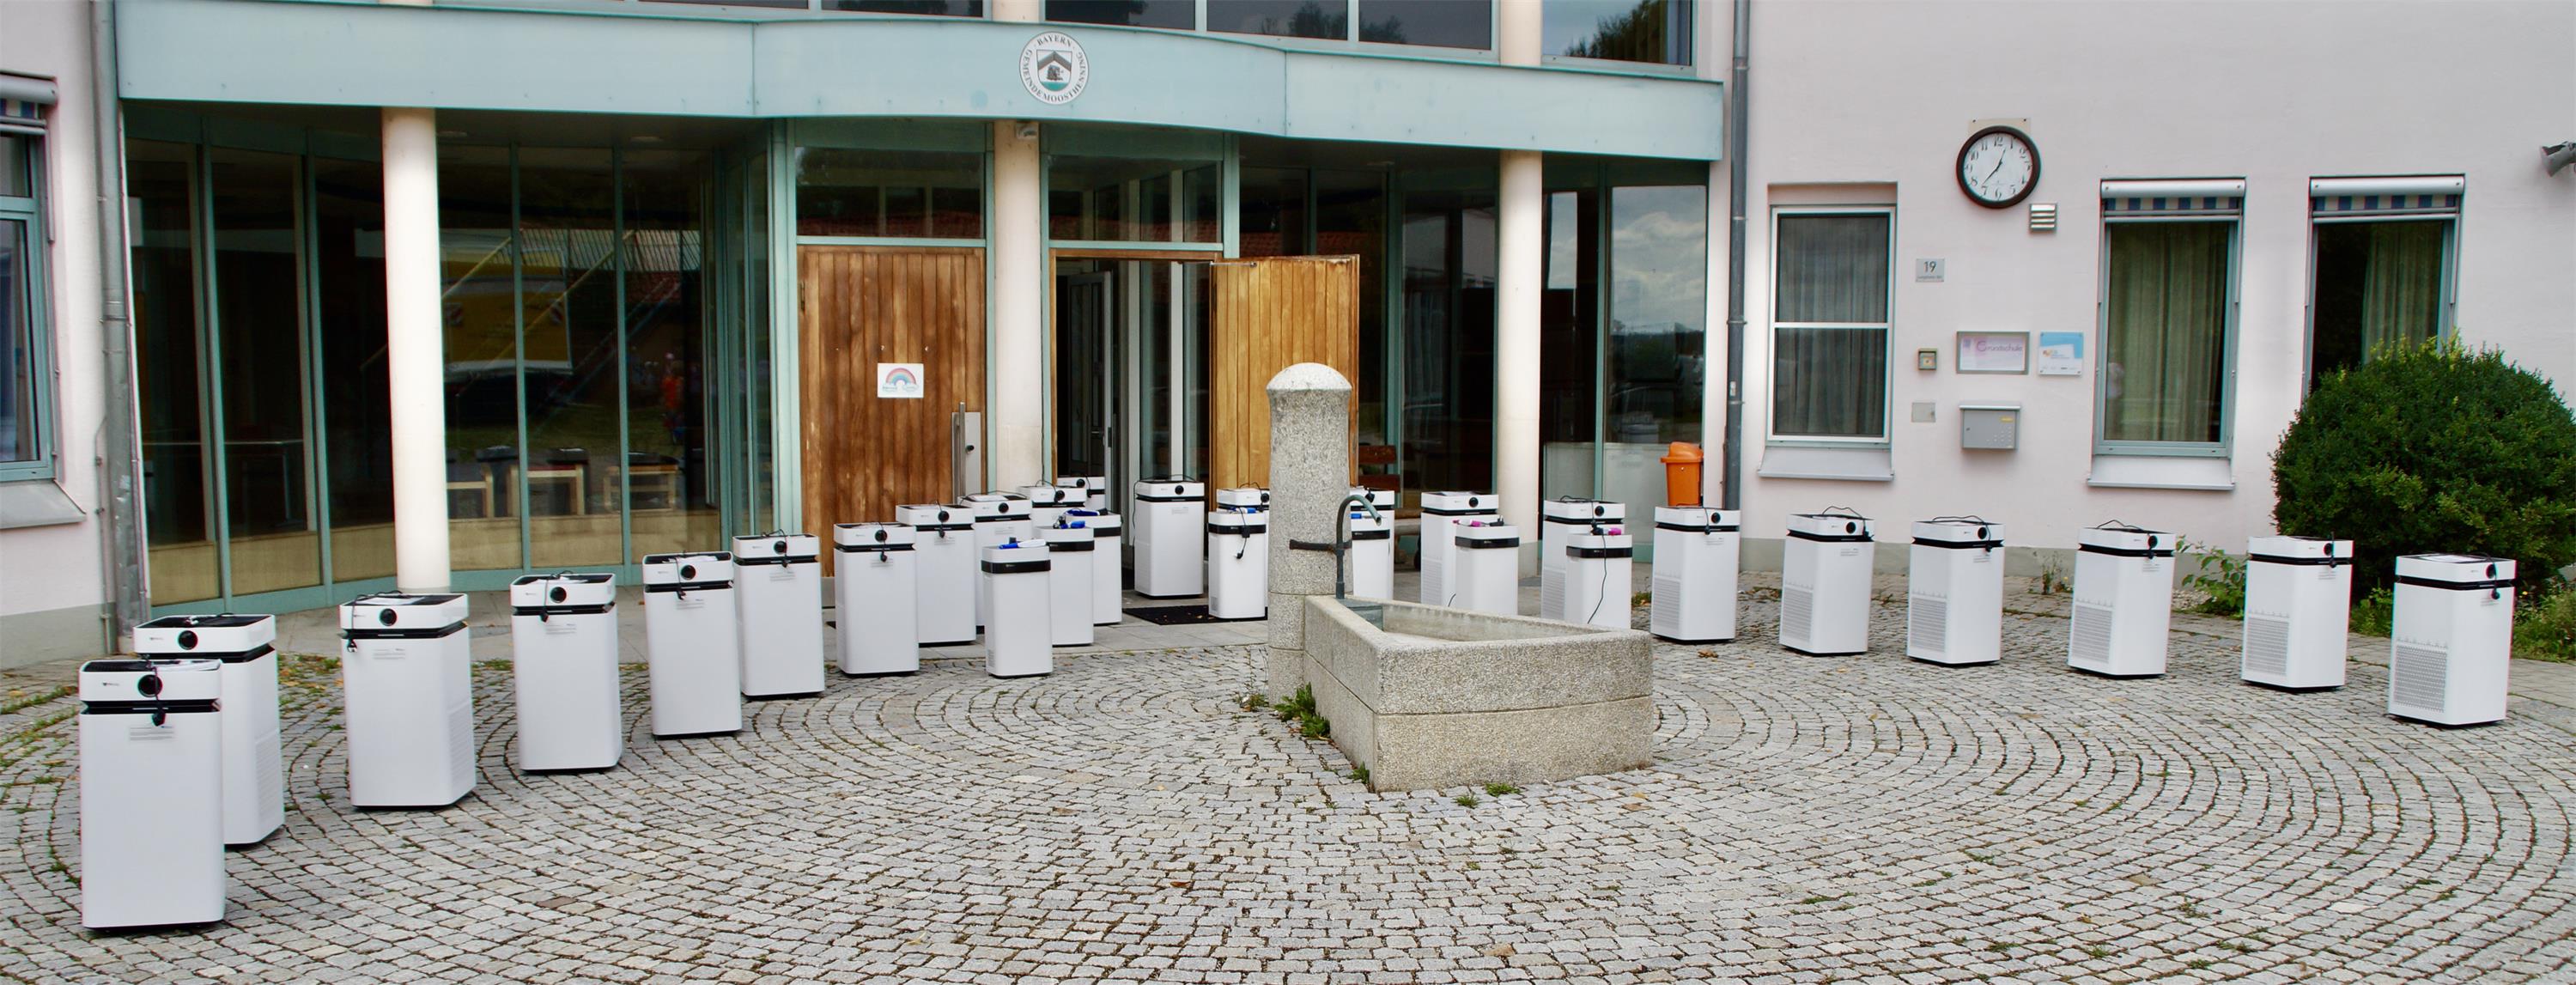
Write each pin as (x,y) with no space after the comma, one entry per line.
(1856,819)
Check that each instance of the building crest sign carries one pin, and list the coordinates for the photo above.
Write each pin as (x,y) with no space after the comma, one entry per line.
(1054,68)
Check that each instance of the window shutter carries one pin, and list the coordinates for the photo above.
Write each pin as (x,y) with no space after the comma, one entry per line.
(2191,197)
(2329,197)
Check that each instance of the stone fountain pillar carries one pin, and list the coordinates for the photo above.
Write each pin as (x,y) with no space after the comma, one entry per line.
(1310,472)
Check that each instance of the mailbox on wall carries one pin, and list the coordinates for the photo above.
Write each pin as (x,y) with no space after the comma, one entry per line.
(1990,426)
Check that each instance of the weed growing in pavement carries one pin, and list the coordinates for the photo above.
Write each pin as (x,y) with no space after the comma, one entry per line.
(1500,790)
(1467,800)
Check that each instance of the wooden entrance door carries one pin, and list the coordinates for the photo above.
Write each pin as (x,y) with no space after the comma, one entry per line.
(1270,314)
(858,306)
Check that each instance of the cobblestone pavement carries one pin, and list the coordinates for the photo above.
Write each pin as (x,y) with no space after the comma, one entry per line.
(1860,818)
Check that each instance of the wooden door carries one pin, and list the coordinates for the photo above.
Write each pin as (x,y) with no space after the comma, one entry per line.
(858,306)
(1270,314)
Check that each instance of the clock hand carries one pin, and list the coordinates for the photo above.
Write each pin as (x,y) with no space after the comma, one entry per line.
(1999,165)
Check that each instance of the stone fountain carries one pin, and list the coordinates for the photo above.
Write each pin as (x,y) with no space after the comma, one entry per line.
(1428,696)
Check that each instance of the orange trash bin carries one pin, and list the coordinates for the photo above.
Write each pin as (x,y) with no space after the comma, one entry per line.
(1681,474)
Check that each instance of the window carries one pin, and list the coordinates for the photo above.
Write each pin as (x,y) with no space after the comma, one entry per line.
(904,194)
(1110,199)
(1438,23)
(1281,18)
(1177,15)
(24,402)
(1651,31)
(932,8)
(2168,303)
(2381,272)
(1829,324)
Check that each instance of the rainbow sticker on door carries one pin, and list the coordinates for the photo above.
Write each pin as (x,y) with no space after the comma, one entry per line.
(899,381)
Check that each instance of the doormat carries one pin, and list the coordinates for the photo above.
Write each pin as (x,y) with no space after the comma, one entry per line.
(1180,615)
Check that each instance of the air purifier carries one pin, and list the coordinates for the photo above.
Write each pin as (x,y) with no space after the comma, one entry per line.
(2452,648)
(692,644)
(2123,601)
(1824,584)
(563,670)
(407,693)
(254,771)
(151,793)
(1697,554)
(874,598)
(2298,610)
(1954,592)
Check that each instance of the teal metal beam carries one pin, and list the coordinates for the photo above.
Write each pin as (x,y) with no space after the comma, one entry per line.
(324,52)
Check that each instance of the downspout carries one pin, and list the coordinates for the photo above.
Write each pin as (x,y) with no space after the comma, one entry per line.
(1731,494)
(120,468)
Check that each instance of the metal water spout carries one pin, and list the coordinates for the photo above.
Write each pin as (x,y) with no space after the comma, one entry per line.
(1342,540)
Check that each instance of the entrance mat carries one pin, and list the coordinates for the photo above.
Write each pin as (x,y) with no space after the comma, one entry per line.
(1179,615)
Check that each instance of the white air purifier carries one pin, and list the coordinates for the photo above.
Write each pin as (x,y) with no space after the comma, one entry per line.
(1108,567)
(254,772)
(1000,518)
(1599,576)
(563,667)
(1485,573)
(1020,641)
(1069,576)
(1954,592)
(874,599)
(693,645)
(1441,511)
(944,580)
(1559,520)
(1824,584)
(151,793)
(1243,499)
(1238,561)
(1371,557)
(778,588)
(407,692)
(2298,610)
(2123,601)
(1094,490)
(1049,501)
(1697,554)
(1167,525)
(1383,499)
(2452,648)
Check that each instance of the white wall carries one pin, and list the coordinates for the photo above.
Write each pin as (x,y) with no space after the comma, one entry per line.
(52,582)
(2274,92)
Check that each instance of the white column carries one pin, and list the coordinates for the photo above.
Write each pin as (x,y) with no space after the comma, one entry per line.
(1018,360)
(414,345)
(1520,232)
(1521,235)
(1018,10)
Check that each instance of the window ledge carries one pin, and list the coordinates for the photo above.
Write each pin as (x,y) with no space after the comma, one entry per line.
(2162,472)
(36,503)
(1841,464)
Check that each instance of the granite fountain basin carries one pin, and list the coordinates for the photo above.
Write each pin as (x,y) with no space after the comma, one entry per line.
(1429,696)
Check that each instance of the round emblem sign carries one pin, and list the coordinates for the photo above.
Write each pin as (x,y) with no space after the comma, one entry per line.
(1054,68)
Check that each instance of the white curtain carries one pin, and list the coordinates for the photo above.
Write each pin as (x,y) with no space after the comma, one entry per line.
(2165,345)
(1830,379)
(2401,285)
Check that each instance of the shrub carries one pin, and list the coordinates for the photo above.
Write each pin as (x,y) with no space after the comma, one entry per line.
(2429,448)
(2545,629)
(2221,579)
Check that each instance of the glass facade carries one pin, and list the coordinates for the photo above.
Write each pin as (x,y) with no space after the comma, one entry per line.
(580,312)
(1281,18)
(1177,15)
(1451,260)
(900,194)
(1134,200)
(1623,324)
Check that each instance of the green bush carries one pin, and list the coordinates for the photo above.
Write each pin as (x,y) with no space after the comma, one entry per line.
(2545,629)
(2432,448)
(2221,579)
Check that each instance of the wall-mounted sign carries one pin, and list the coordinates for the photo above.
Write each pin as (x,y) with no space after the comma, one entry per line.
(2061,353)
(1994,352)
(899,381)
(1054,68)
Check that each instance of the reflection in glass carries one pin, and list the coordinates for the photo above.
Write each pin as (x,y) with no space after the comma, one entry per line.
(1280,18)
(1450,266)
(671,481)
(177,484)
(569,357)
(1178,15)
(1350,220)
(1441,23)
(1656,31)
(2377,284)
(1115,199)
(477,258)
(1658,312)
(929,8)
(18,378)
(1569,342)
(756,340)
(889,193)
(349,258)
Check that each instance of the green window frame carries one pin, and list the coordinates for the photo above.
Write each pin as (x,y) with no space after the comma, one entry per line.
(32,314)
(2132,205)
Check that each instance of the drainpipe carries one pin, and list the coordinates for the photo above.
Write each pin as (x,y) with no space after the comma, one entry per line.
(120,466)
(1731,495)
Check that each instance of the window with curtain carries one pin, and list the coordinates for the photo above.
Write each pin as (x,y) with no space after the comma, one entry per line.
(2377,284)
(1830,324)
(23,408)
(2165,330)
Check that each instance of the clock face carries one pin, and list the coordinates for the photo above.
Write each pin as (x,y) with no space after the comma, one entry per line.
(1998,167)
